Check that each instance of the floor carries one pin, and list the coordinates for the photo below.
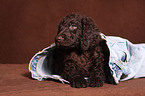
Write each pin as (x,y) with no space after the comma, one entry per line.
(15,80)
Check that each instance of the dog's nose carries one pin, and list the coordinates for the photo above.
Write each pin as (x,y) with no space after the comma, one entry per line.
(59,38)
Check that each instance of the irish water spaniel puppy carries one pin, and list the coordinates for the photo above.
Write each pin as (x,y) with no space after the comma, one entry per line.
(81,55)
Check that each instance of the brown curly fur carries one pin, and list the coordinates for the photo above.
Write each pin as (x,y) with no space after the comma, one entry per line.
(80,52)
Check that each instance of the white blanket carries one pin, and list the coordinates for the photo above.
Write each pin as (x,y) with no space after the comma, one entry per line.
(127,60)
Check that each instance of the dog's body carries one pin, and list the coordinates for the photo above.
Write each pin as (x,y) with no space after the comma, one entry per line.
(80,52)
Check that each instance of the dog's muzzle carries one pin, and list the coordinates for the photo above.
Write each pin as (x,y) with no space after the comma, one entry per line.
(59,39)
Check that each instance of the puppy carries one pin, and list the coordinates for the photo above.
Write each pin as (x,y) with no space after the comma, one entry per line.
(81,55)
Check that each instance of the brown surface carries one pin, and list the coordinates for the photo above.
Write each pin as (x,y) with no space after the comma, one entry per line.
(27,26)
(15,80)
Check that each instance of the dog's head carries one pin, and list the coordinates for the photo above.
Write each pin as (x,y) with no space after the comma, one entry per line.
(77,31)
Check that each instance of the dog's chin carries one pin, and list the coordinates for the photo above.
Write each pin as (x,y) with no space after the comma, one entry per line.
(64,46)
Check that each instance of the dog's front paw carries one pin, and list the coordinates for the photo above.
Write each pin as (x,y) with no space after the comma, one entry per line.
(95,82)
(78,82)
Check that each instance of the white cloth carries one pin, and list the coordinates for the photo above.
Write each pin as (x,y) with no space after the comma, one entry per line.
(127,60)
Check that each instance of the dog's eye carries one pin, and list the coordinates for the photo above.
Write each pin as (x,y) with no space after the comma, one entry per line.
(72,27)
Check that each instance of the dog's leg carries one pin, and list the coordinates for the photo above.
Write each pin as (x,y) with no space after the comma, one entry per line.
(97,74)
(96,78)
(72,74)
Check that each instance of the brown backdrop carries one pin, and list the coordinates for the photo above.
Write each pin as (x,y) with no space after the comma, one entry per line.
(28,26)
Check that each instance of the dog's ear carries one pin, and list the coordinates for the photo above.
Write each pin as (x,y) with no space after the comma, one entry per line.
(90,33)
